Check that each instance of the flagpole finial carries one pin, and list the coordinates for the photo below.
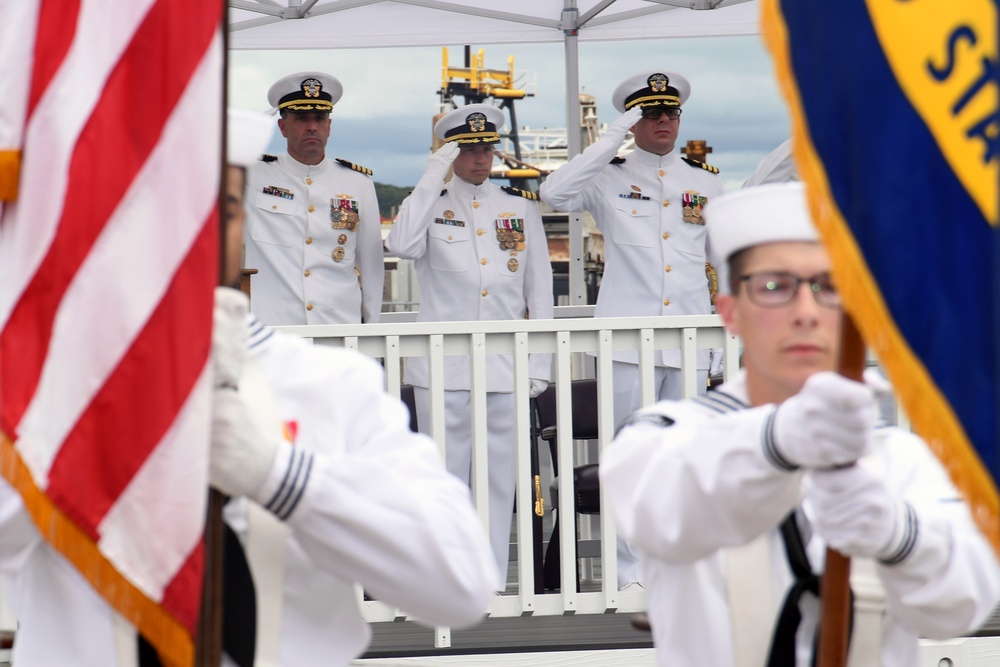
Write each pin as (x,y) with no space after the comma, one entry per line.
(10,171)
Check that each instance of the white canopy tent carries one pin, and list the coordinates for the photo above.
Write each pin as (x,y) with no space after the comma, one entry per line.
(334,24)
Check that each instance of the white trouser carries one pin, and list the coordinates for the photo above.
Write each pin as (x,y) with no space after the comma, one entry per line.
(668,384)
(500,456)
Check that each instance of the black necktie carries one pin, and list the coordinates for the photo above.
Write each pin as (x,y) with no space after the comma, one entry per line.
(783,642)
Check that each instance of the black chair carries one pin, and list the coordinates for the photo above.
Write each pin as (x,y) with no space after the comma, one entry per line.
(406,396)
(586,485)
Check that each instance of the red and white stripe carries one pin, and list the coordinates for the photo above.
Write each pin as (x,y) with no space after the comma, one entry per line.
(108,260)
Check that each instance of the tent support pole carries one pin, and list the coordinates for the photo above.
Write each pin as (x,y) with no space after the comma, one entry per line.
(570,14)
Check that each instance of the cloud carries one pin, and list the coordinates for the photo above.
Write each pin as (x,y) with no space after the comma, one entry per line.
(391,95)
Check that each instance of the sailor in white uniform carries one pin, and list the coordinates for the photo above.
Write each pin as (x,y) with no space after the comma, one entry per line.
(480,254)
(733,498)
(648,206)
(331,489)
(314,233)
(351,496)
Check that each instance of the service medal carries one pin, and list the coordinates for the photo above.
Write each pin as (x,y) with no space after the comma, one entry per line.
(506,238)
(344,213)
(338,254)
(512,265)
(342,239)
(692,205)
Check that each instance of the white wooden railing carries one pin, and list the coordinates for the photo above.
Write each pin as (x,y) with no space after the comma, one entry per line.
(581,346)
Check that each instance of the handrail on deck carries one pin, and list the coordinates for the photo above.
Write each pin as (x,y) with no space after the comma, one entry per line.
(580,347)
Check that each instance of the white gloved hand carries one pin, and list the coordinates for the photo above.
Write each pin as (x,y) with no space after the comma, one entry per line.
(856,515)
(242,454)
(229,336)
(621,125)
(716,356)
(828,423)
(440,162)
(537,386)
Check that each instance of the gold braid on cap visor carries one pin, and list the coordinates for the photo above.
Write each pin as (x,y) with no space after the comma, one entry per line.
(306,105)
(475,138)
(662,100)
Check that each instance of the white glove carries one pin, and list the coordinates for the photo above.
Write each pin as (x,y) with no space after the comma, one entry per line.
(242,454)
(440,162)
(716,356)
(229,336)
(856,515)
(537,386)
(828,423)
(621,125)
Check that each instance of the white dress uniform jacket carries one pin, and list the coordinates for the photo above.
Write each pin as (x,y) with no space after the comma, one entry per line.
(314,235)
(689,479)
(654,260)
(465,274)
(362,498)
(378,508)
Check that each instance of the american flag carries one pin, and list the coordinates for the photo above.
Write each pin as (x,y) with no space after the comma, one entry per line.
(108,259)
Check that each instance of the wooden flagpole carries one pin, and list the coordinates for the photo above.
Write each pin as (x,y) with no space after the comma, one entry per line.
(208,641)
(835,590)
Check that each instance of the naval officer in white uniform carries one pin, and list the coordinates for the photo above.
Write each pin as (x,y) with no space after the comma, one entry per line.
(313,233)
(480,254)
(649,207)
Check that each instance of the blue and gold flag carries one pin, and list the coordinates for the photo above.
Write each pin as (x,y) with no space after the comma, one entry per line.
(896,130)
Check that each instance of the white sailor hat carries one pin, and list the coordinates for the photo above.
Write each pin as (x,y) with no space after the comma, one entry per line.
(471,124)
(753,216)
(247,136)
(305,91)
(655,87)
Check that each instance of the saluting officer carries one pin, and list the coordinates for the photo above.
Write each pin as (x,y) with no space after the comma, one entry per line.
(314,232)
(480,254)
(649,208)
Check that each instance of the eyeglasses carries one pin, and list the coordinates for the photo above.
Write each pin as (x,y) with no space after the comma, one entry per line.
(653,113)
(775,289)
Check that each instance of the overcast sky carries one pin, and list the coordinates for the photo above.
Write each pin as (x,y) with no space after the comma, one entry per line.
(390,95)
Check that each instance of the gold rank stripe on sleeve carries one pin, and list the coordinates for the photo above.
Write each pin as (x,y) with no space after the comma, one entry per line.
(516,192)
(356,167)
(696,163)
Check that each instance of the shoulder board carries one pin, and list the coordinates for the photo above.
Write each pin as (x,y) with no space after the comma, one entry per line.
(531,196)
(696,163)
(269,158)
(356,167)
(617,160)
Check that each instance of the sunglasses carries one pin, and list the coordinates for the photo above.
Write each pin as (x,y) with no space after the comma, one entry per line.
(653,113)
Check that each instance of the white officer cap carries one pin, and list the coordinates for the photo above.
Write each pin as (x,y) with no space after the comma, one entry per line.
(778,166)
(471,124)
(247,136)
(305,91)
(753,216)
(655,87)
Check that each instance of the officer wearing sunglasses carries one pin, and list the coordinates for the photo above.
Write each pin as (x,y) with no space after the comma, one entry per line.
(648,205)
